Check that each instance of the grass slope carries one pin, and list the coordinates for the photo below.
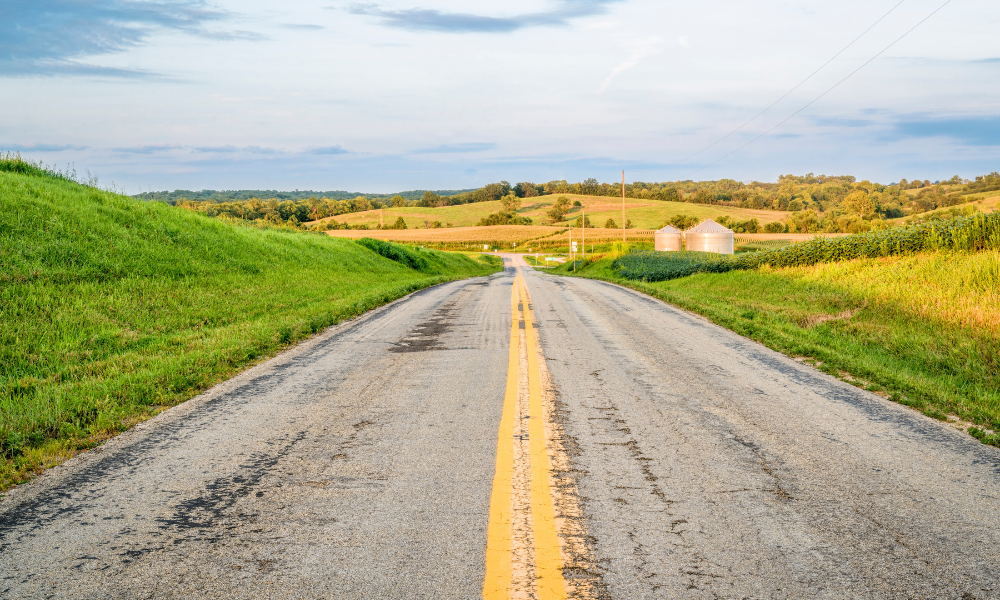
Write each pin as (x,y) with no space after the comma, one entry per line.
(922,329)
(114,309)
(644,213)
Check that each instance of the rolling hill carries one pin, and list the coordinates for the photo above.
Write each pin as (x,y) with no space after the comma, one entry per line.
(114,308)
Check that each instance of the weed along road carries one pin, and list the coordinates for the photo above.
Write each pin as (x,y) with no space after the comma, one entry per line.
(518,436)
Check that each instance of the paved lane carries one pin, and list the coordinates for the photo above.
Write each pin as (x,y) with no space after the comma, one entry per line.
(711,467)
(356,466)
(686,462)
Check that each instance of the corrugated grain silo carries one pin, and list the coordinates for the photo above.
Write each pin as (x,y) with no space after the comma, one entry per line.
(709,236)
(668,239)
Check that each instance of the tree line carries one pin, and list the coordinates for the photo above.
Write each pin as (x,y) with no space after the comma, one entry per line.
(219,196)
(817,203)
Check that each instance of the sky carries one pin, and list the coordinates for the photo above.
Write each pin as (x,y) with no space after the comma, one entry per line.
(440,94)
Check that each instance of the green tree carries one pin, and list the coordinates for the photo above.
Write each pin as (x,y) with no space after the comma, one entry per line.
(510,203)
(526,189)
(861,204)
(610,224)
(430,199)
(669,194)
(559,209)
(360,204)
(397,201)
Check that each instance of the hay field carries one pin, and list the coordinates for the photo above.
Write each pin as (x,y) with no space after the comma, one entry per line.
(598,234)
(502,235)
(644,213)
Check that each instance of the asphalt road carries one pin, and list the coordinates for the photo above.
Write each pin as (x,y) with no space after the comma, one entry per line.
(686,462)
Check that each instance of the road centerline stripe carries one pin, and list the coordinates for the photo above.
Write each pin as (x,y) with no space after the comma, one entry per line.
(550,584)
(499,575)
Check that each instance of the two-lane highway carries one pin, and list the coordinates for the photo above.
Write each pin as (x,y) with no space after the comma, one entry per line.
(521,436)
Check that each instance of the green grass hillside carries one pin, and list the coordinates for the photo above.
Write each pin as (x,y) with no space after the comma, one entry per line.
(644,213)
(114,309)
(922,329)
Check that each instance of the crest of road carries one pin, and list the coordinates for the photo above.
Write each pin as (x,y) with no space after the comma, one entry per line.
(518,436)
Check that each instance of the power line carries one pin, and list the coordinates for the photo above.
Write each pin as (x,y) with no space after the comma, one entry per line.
(830,89)
(755,117)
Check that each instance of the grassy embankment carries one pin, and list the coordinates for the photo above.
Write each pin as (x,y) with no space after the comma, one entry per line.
(922,329)
(114,309)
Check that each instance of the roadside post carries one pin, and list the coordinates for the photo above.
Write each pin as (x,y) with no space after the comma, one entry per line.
(571,246)
(623,206)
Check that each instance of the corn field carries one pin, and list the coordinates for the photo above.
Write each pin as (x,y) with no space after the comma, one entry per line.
(963,234)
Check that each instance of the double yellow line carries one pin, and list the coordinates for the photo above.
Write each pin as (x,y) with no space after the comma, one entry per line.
(549,583)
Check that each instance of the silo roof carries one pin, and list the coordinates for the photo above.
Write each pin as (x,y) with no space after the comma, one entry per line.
(710,226)
(669,229)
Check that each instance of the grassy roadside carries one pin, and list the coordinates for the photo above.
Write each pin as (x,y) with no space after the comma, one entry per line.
(922,329)
(114,309)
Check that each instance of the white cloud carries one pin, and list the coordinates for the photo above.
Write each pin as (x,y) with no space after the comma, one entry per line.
(529,93)
(641,50)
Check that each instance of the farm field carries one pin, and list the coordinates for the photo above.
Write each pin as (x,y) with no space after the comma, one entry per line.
(921,329)
(504,237)
(114,308)
(462,238)
(644,214)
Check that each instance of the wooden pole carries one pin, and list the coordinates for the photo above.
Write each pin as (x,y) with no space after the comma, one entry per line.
(583,212)
(623,206)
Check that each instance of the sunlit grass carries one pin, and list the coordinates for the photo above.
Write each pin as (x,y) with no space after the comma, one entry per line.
(113,308)
(922,329)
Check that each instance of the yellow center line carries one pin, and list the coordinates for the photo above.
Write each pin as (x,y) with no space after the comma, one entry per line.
(499,575)
(548,558)
(498,583)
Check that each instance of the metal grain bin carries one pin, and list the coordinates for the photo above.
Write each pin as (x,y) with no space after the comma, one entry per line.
(709,236)
(668,239)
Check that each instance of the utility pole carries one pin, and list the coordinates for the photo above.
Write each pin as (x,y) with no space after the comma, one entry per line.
(623,206)
(583,222)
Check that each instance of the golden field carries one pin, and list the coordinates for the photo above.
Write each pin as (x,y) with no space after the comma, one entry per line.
(644,213)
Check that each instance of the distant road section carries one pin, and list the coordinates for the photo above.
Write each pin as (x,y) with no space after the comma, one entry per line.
(682,461)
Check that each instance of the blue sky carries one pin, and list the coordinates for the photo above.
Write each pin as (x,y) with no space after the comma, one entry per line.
(415,94)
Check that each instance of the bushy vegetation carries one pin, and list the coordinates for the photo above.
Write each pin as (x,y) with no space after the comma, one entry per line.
(114,309)
(972,233)
(396,252)
(426,261)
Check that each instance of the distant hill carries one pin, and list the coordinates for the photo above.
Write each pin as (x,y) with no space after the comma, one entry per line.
(237,195)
